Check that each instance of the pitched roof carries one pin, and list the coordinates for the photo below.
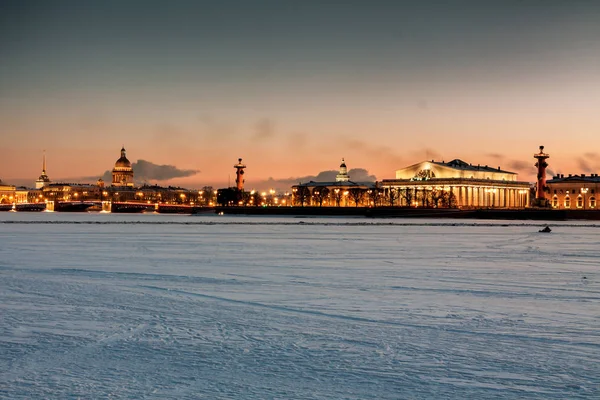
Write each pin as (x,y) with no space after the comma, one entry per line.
(463,166)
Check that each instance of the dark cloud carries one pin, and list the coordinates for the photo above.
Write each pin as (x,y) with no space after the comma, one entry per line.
(423,105)
(297,141)
(144,171)
(264,129)
(427,153)
(584,165)
(214,129)
(495,156)
(589,162)
(519,166)
(378,152)
(356,175)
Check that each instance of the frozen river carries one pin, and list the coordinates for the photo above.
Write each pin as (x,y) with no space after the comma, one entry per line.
(185,307)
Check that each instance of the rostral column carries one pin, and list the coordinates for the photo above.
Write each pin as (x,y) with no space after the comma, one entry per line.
(541,164)
(239,173)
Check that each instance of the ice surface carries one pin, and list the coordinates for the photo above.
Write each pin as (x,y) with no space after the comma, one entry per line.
(185,307)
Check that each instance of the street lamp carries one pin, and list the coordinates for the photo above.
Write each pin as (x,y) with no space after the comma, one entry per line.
(584,192)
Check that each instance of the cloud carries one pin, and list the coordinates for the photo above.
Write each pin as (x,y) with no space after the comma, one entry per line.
(144,171)
(589,162)
(356,175)
(429,154)
(495,156)
(519,166)
(215,130)
(264,129)
(376,152)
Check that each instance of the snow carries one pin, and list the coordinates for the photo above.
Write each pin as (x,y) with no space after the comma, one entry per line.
(219,307)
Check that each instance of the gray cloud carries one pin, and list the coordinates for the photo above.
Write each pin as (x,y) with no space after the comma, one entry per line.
(584,165)
(214,129)
(378,152)
(428,153)
(589,162)
(495,156)
(264,129)
(519,166)
(356,175)
(144,171)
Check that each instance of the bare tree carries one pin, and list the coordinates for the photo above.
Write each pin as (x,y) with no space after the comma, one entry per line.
(302,194)
(337,196)
(357,195)
(375,195)
(320,193)
(392,195)
(407,194)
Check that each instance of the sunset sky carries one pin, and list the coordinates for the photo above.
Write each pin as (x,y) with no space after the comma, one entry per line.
(294,86)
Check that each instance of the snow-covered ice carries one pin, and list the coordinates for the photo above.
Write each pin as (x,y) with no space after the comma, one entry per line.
(186,307)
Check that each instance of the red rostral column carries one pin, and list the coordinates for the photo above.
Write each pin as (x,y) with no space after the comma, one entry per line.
(239,173)
(541,165)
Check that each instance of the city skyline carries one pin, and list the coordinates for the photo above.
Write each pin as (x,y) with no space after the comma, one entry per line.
(292,88)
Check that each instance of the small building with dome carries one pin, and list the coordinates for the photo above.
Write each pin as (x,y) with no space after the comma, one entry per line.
(343,192)
(122,173)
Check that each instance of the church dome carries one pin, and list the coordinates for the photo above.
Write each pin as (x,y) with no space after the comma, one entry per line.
(123,162)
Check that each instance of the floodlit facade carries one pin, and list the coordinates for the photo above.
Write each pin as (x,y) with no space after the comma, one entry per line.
(579,192)
(122,173)
(455,184)
(343,192)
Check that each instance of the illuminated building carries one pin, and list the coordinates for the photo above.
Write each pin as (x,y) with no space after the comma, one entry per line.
(574,191)
(455,184)
(43,180)
(122,173)
(342,192)
(7,193)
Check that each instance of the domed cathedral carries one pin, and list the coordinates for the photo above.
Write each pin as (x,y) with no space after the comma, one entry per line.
(43,180)
(122,173)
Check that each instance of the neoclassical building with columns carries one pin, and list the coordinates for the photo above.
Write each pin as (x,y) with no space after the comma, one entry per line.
(455,184)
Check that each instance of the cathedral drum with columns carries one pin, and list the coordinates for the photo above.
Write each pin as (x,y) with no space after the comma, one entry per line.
(122,173)
(455,184)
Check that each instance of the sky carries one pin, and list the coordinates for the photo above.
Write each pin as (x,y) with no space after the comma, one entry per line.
(292,87)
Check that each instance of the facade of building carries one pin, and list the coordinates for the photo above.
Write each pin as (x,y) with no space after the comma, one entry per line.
(7,193)
(343,192)
(455,184)
(578,192)
(122,173)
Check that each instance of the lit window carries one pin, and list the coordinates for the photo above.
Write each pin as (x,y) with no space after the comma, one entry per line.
(555,202)
(592,202)
(567,202)
(579,202)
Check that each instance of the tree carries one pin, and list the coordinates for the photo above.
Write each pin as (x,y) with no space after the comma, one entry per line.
(301,194)
(357,195)
(392,195)
(337,196)
(206,195)
(375,195)
(407,194)
(320,193)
